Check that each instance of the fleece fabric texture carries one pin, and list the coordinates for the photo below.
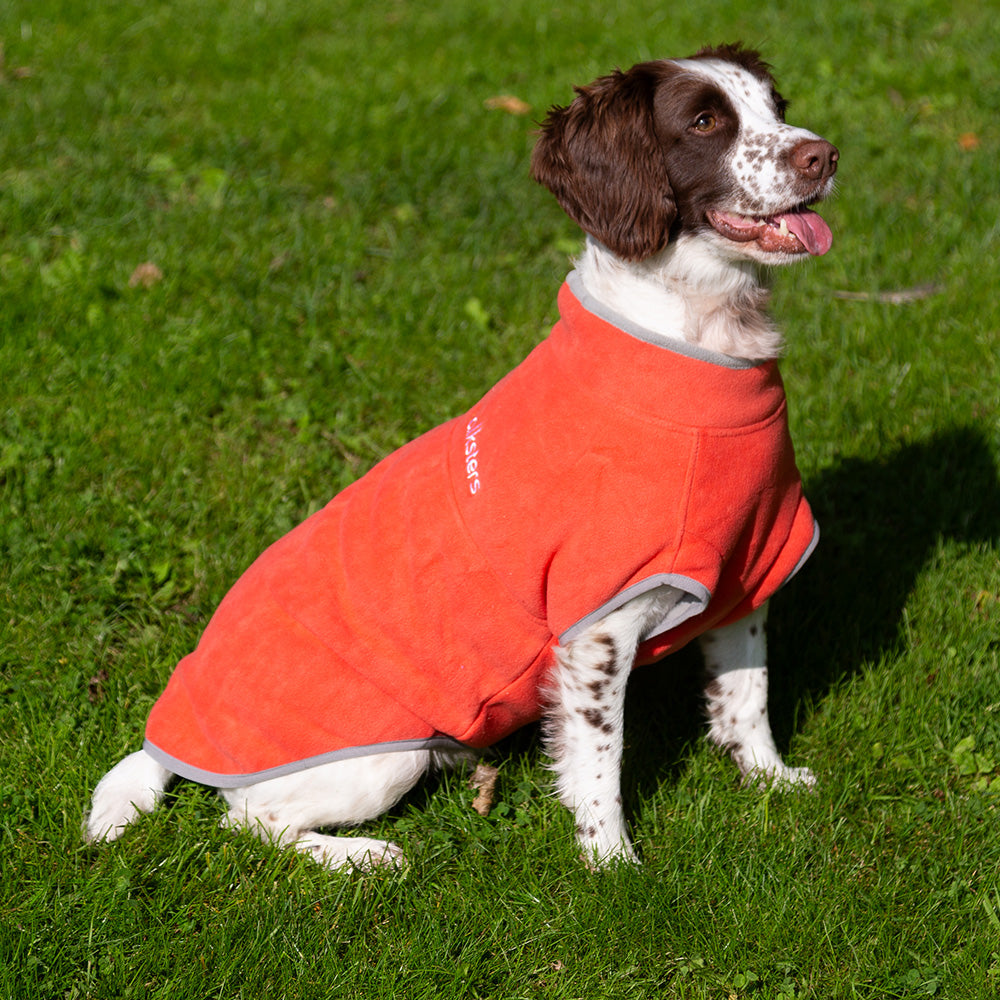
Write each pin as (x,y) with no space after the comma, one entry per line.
(422,605)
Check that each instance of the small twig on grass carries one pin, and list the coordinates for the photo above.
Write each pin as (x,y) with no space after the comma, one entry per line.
(897,297)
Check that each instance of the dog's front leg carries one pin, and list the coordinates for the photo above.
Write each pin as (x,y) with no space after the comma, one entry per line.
(736,693)
(584,722)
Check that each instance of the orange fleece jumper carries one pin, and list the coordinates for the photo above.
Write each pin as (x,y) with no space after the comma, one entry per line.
(420,608)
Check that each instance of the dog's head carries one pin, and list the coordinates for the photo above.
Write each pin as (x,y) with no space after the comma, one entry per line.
(695,145)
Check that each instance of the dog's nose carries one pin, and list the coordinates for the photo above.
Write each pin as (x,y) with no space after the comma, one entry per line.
(815,159)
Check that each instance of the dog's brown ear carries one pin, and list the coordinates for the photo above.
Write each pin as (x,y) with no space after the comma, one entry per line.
(600,158)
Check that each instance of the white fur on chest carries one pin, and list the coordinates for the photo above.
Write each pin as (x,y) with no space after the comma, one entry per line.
(690,292)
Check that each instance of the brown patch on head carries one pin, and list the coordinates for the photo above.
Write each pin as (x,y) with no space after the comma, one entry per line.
(640,154)
(751,61)
(736,52)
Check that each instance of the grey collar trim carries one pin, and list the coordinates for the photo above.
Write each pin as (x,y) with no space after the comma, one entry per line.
(600,310)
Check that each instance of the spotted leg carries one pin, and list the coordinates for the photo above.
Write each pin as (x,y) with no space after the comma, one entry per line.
(736,693)
(584,721)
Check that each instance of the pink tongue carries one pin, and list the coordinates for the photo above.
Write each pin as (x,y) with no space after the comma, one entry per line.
(813,233)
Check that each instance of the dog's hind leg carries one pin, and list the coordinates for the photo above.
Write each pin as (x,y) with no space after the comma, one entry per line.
(290,809)
(736,693)
(133,786)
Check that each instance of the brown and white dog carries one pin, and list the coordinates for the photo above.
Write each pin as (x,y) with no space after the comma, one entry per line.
(689,183)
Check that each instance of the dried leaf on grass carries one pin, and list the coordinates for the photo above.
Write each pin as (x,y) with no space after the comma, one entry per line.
(146,275)
(11,72)
(509,103)
(986,602)
(95,687)
(484,780)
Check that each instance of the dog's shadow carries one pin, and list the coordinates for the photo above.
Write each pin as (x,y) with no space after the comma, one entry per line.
(881,520)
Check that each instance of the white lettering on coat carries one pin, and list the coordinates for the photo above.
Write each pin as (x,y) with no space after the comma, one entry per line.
(472,429)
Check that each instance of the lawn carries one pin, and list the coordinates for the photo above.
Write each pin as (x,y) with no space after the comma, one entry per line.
(246,250)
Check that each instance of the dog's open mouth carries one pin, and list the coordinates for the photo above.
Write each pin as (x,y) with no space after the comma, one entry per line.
(801,231)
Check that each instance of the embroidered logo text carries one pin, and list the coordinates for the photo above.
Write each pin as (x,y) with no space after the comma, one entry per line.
(472,429)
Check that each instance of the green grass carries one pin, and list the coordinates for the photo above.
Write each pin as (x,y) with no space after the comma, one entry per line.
(351,250)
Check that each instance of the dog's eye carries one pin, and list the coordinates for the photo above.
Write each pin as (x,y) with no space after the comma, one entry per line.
(705,122)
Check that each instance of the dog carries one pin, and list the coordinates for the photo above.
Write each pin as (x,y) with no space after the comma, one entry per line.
(628,488)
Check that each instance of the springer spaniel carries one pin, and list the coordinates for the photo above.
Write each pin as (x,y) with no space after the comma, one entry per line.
(689,183)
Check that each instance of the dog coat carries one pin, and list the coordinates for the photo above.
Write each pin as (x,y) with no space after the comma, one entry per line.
(420,608)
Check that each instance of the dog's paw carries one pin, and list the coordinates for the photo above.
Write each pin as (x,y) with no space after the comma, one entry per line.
(799,777)
(132,787)
(599,856)
(781,778)
(391,856)
(363,853)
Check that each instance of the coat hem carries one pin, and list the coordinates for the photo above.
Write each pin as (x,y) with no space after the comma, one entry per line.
(219,779)
(693,598)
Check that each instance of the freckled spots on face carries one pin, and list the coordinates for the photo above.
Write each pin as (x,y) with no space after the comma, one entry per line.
(759,163)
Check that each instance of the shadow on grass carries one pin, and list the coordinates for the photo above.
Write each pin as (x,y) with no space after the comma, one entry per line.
(881,521)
